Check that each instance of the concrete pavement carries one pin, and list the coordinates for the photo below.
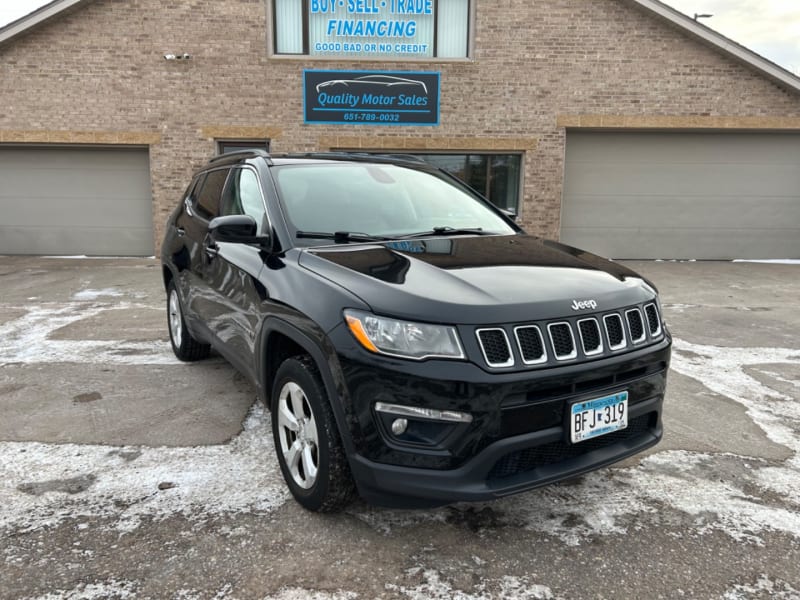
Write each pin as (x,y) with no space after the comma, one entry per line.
(124,473)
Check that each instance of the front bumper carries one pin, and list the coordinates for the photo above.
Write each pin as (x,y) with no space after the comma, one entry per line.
(518,437)
(479,479)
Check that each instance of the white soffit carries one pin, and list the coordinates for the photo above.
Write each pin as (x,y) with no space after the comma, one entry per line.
(40,15)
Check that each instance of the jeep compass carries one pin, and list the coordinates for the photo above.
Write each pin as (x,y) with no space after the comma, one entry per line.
(412,343)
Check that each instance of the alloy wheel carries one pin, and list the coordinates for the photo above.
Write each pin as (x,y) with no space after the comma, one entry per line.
(299,439)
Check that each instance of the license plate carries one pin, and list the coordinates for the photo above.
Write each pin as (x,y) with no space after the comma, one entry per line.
(593,418)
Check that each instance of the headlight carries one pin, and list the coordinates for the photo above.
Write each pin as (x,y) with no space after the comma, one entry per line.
(416,341)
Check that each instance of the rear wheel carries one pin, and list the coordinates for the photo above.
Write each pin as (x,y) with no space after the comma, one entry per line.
(184,345)
(307,442)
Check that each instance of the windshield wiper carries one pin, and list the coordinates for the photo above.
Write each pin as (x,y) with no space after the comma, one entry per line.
(340,237)
(446,231)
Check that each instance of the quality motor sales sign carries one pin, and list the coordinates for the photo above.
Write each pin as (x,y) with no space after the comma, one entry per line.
(371,97)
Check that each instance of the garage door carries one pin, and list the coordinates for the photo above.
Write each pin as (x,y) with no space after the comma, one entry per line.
(683,195)
(93,201)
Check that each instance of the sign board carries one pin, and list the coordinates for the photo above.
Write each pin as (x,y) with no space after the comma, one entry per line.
(398,28)
(371,97)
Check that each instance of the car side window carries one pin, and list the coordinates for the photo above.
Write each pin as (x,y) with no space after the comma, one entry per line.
(243,196)
(194,188)
(207,200)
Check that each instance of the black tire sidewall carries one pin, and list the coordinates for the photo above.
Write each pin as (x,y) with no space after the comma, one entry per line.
(298,371)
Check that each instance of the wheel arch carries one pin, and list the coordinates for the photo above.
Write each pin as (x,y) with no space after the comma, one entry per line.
(167,275)
(280,340)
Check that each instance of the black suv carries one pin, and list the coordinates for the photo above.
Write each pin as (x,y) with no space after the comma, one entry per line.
(411,341)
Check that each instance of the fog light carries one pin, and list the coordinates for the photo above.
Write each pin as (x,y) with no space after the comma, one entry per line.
(399,426)
(416,412)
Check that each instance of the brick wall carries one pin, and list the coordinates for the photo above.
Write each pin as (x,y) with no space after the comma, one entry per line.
(537,66)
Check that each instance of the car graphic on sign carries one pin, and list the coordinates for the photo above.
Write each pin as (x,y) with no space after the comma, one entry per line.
(387,81)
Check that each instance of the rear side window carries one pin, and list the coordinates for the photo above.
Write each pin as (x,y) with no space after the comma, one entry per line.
(207,200)
(194,188)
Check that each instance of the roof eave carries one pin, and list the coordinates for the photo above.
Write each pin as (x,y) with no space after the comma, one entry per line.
(727,46)
(35,18)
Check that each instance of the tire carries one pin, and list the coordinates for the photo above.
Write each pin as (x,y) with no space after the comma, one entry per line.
(309,449)
(185,347)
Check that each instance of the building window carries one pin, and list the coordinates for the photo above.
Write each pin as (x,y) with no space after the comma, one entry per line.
(495,176)
(372,28)
(226,146)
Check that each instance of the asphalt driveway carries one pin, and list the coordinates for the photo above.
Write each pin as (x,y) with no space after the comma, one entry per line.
(124,473)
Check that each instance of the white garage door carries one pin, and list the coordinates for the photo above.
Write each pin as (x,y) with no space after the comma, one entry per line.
(93,201)
(683,195)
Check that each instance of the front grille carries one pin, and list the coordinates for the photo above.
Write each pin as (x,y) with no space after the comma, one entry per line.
(562,340)
(531,344)
(529,459)
(653,322)
(590,336)
(495,347)
(615,331)
(635,325)
(578,337)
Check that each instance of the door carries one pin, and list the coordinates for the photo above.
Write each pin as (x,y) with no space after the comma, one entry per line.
(75,201)
(683,195)
(231,274)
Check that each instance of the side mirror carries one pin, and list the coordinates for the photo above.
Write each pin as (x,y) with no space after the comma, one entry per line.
(238,229)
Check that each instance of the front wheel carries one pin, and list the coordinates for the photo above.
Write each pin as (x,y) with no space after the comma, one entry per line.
(307,442)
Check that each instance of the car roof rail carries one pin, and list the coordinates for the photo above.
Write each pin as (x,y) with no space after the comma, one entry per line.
(356,156)
(240,154)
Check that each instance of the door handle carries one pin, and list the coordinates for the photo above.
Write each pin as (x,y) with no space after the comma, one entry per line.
(180,231)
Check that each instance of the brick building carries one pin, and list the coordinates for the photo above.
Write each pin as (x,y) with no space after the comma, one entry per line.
(617,125)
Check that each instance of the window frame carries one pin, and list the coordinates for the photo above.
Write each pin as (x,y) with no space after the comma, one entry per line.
(272,40)
(240,144)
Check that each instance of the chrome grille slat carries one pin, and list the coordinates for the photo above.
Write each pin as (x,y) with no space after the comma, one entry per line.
(615,331)
(653,319)
(635,325)
(495,347)
(563,340)
(591,339)
(531,344)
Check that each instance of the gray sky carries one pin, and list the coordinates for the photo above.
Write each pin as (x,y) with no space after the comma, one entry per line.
(769,27)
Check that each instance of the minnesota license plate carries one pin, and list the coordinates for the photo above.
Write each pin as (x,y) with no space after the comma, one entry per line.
(593,418)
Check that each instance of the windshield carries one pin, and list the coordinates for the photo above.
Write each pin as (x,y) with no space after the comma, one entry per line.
(379,200)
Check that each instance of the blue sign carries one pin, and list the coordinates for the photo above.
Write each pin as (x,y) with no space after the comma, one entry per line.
(371,97)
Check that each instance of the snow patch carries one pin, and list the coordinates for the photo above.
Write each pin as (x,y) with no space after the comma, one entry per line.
(508,588)
(112,588)
(84,257)
(778,261)
(90,294)
(27,339)
(778,590)
(723,370)
(295,593)
(75,481)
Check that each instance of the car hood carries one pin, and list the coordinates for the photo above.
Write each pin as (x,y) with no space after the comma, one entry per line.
(477,279)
